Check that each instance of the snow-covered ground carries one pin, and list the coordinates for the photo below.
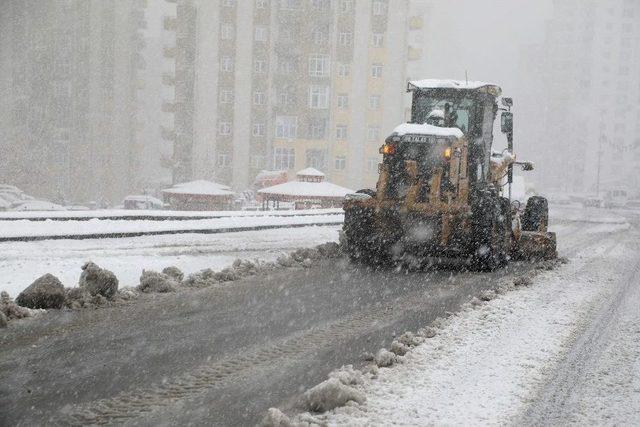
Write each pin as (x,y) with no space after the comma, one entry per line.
(22,262)
(492,363)
(22,228)
(110,213)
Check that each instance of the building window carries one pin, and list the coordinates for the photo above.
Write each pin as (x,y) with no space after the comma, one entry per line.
(259,98)
(284,158)
(318,97)
(345,38)
(319,65)
(372,164)
(341,132)
(258,129)
(343,101)
(261,4)
(289,4)
(224,160)
(374,102)
(346,6)
(286,126)
(317,128)
(287,64)
(344,70)
(227,32)
(260,34)
(227,64)
(260,66)
(286,95)
(224,128)
(316,159)
(340,163)
(320,4)
(378,7)
(226,96)
(376,71)
(319,35)
(257,161)
(377,39)
(373,133)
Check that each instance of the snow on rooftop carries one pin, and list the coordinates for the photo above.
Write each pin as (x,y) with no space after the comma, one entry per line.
(200,187)
(202,182)
(450,84)
(36,205)
(307,189)
(426,129)
(309,172)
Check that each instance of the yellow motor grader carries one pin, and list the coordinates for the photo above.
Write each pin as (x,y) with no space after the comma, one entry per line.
(442,192)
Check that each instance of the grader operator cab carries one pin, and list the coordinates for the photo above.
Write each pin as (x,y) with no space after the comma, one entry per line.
(442,193)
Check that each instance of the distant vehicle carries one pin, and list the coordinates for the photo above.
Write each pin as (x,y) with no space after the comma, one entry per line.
(77,208)
(616,198)
(633,204)
(560,199)
(142,202)
(36,205)
(592,202)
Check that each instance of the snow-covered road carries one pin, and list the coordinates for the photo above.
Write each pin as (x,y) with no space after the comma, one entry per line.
(565,350)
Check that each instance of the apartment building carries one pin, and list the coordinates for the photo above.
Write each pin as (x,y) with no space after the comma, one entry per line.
(284,85)
(592,111)
(69,78)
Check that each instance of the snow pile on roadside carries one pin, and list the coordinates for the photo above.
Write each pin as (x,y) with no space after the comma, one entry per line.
(304,257)
(99,287)
(22,262)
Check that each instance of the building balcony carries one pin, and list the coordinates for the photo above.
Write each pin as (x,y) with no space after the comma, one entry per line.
(414,54)
(169,23)
(169,51)
(415,23)
(168,107)
(168,79)
(167,134)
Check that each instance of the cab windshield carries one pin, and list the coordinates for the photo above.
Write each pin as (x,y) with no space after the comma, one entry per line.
(454,110)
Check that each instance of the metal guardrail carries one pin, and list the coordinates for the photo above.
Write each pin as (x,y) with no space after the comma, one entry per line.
(120,235)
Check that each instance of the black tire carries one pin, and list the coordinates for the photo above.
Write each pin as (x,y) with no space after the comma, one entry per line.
(536,214)
(362,244)
(491,222)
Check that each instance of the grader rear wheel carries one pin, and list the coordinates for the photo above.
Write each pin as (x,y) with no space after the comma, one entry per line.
(536,214)
(491,230)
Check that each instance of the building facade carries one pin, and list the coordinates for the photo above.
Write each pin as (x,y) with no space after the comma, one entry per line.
(284,85)
(69,78)
(591,118)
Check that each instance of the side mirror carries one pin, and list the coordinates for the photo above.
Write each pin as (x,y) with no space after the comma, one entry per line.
(506,122)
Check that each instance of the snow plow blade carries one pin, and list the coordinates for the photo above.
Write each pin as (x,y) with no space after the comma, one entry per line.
(536,245)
